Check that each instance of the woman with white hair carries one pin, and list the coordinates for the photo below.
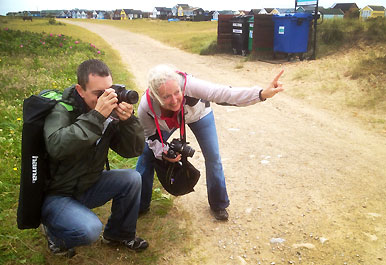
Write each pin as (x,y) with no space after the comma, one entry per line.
(169,91)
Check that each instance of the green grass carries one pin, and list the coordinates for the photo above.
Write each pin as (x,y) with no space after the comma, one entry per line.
(46,57)
(348,74)
(194,37)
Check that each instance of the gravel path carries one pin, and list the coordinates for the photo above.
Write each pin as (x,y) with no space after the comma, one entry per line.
(306,186)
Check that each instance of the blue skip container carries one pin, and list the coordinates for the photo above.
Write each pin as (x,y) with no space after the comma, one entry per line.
(291,32)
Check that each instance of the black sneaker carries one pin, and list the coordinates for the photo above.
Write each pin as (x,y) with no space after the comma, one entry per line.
(56,250)
(136,244)
(220,214)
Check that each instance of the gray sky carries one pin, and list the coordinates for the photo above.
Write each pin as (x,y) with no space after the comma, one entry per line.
(148,5)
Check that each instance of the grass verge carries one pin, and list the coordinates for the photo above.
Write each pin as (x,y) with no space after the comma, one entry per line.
(194,37)
(46,57)
(351,82)
(348,76)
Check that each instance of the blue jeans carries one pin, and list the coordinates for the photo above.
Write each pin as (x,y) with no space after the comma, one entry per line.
(71,223)
(206,135)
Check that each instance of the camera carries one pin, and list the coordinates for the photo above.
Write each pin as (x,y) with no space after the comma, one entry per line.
(177,146)
(129,96)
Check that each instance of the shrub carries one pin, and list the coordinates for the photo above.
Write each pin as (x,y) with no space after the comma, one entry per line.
(52,21)
(376,29)
(43,55)
(29,43)
(331,31)
(210,49)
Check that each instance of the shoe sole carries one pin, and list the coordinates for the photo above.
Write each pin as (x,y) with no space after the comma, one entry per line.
(116,243)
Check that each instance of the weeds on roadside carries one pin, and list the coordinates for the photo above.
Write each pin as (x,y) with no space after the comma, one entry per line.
(29,62)
(52,21)
(338,32)
(49,61)
(29,43)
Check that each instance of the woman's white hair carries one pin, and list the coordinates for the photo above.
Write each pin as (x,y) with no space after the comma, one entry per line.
(158,76)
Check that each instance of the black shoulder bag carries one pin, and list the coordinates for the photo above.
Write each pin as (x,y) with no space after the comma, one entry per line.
(177,178)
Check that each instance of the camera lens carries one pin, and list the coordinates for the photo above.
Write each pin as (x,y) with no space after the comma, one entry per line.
(129,96)
(188,151)
(132,96)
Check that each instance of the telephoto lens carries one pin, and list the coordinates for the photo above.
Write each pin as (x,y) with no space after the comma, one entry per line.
(129,96)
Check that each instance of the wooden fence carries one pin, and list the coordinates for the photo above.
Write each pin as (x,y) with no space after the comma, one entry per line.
(263,30)
(263,34)
(224,33)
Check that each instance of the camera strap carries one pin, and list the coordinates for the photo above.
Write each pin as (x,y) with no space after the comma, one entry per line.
(182,123)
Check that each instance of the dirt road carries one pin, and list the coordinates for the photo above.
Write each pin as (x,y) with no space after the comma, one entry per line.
(306,186)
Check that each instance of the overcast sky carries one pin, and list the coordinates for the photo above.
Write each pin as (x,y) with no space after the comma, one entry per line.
(148,5)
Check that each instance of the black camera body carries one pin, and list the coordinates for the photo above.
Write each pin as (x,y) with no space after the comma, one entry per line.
(129,96)
(177,146)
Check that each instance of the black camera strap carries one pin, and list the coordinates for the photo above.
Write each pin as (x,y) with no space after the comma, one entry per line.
(183,132)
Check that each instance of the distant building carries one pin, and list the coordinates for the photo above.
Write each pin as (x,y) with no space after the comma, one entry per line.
(285,10)
(372,12)
(254,12)
(133,14)
(347,8)
(185,11)
(35,13)
(327,13)
(108,15)
(162,13)
(50,13)
(227,12)
(331,13)
(176,9)
(100,14)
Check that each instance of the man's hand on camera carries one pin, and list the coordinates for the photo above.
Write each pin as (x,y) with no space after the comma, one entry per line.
(107,102)
(172,160)
(124,110)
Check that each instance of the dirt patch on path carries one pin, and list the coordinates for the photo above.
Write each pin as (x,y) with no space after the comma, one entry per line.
(306,186)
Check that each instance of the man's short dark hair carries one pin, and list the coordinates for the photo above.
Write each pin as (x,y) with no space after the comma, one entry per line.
(94,67)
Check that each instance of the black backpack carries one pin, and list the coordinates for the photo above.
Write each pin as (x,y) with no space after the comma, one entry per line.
(34,159)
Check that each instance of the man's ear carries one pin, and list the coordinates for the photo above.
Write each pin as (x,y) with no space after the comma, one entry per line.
(80,90)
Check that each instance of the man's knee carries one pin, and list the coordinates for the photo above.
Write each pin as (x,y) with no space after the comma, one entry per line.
(91,231)
(132,179)
(137,181)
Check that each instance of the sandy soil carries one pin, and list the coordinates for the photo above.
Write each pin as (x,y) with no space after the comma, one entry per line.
(306,186)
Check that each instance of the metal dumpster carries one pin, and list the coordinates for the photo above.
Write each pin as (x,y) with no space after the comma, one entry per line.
(291,32)
(240,34)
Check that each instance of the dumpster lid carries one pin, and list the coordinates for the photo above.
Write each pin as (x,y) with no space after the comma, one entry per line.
(241,18)
(293,15)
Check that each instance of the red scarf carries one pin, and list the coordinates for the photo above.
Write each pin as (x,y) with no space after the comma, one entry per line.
(172,122)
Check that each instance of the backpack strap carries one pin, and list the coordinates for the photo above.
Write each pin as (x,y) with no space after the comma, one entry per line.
(56,95)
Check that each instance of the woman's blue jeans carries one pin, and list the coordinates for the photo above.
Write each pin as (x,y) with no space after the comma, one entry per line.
(206,135)
(71,223)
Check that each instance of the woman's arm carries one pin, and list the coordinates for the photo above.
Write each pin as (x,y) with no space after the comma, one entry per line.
(238,96)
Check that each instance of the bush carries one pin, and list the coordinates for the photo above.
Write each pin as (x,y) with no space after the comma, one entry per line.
(29,43)
(376,29)
(52,21)
(331,31)
(42,55)
(210,49)
(29,62)
(351,31)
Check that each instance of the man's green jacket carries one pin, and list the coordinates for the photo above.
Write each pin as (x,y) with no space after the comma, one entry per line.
(78,144)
